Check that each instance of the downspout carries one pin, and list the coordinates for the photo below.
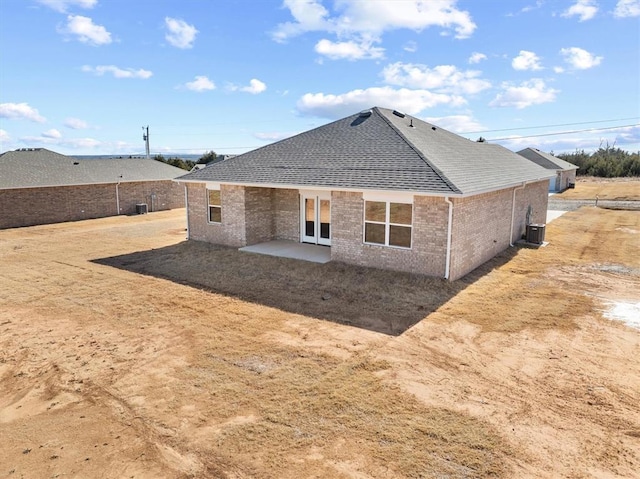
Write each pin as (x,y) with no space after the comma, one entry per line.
(186,203)
(448,256)
(513,210)
(117,198)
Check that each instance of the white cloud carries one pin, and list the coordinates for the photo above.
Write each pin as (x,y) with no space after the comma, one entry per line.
(580,59)
(558,69)
(526,61)
(348,50)
(409,101)
(4,135)
(528,93)
(442,78)
(255,86)
(75,124)
(457,123)
(585,9)
(200,84)
(118,72)
(180,34)
(477,57)
(627,8)
(20,111)
(63,5)
(369,19)
(52,133)
(86,31)
(47,138)
(410,47)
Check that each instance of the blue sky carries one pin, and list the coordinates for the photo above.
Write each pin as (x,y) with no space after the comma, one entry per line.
(84,76)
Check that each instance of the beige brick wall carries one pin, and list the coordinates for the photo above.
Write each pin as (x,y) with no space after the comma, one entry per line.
(231,231)
(567,177)
(480,229)
(429,243)
(36,206)
(258,206)
(158,195)
(249,215)
(286,215)
(481,224)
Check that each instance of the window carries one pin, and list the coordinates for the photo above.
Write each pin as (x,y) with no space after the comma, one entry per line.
(387,223)
(215,209)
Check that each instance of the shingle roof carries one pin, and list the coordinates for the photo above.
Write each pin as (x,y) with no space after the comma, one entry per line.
(381,151)
(546,160)
(39,167)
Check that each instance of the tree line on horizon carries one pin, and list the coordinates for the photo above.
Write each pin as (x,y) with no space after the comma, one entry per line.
(188,165)
(605,162)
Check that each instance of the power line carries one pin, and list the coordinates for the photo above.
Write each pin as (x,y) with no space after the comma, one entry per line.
(550,126)
(563,132)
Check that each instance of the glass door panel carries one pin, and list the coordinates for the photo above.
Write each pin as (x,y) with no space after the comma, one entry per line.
(324,218)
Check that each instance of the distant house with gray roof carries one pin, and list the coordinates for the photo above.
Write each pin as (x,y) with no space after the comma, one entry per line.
(39,186)
(565,172)
(380,188)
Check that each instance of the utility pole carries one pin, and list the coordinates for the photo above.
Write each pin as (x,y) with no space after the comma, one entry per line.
(145,137)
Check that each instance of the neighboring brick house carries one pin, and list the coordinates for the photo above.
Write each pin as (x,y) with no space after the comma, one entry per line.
(380,188)
(39,186)
(565,172)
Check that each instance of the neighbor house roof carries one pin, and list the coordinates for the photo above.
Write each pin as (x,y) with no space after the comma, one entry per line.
(379,149)
(546,160)
(39,167)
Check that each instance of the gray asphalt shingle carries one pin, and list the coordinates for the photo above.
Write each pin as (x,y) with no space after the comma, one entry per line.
(546,160)
(382,151)
(39,167)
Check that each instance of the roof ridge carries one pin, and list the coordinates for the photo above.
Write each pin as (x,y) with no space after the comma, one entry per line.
(437,170)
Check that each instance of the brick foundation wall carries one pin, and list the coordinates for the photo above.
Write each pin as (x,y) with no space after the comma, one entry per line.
(37,206)
(429,243)
(536,197)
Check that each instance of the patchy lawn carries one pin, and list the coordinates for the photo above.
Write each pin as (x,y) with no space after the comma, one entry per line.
(127,352)
(620,189)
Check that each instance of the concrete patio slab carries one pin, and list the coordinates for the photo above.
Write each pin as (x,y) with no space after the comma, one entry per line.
(291,249)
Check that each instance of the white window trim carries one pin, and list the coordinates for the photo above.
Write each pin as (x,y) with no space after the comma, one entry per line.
(387,223)
(209,205)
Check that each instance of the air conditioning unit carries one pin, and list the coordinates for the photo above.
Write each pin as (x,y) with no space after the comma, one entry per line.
(535,233)
(141,208)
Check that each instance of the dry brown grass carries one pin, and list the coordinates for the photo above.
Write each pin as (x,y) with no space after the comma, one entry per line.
(188,360)
(589,188)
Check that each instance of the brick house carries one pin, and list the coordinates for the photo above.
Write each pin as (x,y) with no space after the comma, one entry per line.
(565,172)
(39,186)
(380,188)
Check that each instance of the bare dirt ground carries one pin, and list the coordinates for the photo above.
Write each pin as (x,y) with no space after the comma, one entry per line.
(127,352)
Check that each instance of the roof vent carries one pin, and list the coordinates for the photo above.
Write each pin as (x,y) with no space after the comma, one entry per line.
(76,162)
(398,113)
(433,128)
(411,123)
(365,113)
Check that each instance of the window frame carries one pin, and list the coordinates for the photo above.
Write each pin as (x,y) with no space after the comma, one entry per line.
(387,223)
(210,206)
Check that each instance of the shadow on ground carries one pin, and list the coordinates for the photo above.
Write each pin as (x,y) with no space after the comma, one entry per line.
(382,301)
